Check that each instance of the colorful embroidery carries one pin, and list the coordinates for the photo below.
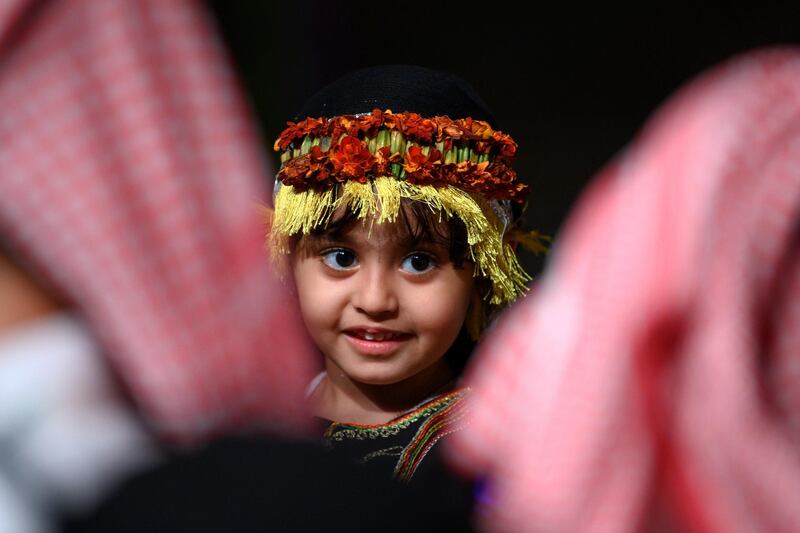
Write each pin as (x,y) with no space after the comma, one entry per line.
(436,418)
(391,451)
(338,431)
(440,424)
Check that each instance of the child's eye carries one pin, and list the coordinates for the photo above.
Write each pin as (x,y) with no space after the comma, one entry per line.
(339,259)
(418,263)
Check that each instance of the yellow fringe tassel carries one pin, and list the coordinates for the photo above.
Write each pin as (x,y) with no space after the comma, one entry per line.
(380,199)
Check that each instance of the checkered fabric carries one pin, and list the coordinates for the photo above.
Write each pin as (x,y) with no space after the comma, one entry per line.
(131,177)
(653,381)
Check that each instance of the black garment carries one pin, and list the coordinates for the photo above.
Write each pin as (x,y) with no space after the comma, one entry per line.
(248,484)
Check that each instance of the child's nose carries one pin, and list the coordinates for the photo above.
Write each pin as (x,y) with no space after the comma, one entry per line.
(375,296)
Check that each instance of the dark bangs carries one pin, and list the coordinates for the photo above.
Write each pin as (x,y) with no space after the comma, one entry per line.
(416,223)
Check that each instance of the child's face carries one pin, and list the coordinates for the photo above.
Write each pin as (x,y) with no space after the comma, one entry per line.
(379,306)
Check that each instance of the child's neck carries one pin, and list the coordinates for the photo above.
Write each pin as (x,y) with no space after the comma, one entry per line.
(341,399)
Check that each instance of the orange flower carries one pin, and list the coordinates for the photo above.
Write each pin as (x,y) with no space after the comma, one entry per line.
(481,129)
(349,125)
(383,161)
(392,121)
(309,126)
(465,125)
(435,156)
(307,170)
(418,128)
(453,131)
(414,159)
(481,147)
(351,159)
(369,124)
(508,148)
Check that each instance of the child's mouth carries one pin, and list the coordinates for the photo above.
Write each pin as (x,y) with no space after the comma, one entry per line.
(376,342)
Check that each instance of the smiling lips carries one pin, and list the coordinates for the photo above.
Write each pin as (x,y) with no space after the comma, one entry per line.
(375,341)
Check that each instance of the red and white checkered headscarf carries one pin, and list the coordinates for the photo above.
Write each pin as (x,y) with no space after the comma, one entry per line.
(131,176)
(654,378)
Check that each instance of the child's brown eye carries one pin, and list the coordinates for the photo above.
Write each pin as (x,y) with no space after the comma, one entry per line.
(418,263)
(340,259)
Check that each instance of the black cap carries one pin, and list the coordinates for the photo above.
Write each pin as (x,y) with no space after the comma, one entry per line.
(401,88)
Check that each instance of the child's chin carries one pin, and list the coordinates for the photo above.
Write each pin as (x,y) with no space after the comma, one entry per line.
(378,378)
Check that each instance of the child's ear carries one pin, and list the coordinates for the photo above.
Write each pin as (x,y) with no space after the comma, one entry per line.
(475,296)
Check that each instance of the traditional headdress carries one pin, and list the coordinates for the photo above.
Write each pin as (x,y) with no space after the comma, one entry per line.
(350,150)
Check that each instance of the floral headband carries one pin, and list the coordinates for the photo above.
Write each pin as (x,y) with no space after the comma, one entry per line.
(369,162)
(466,153)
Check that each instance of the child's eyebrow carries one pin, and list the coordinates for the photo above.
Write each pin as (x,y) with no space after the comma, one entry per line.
(328,238)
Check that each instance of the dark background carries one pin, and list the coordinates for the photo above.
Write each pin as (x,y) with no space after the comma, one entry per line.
(572,86)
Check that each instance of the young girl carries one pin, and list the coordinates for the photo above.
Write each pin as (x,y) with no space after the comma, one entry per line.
(397,228)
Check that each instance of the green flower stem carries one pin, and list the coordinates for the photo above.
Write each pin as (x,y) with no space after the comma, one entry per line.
(383,138)
(306,146)
(394,142)
(401,147)
(463,153)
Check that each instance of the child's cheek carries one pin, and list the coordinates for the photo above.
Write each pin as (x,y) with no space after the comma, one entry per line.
(442,309)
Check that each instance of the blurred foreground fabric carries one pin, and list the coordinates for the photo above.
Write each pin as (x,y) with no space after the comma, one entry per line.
(130,179)
(652,382)
(249,485)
